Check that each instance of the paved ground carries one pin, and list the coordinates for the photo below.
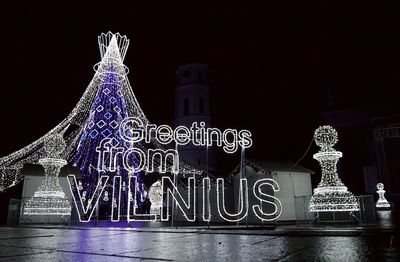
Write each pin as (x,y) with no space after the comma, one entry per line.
(108,244)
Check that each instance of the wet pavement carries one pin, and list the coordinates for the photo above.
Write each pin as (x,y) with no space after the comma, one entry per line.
(124,244)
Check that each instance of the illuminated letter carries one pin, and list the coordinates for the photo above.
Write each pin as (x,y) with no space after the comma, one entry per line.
(86,213)
(245,139)
(188,208)
(163,157)
(206,199)
(218,136)
(103,147)
(131,129)
(132,203)
(266,198)
(140,157)
(164,134)
(108,145)
(230,147)
(116,199)
(182,135)
(243,200)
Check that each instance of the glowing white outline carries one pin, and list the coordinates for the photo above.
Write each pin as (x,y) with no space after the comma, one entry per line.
(382,202)
(142,161)
(143,132)
(206,196)
(259,213)
(243,194)
(191,183)
(152,153)
(152,217)
(330,187)
(113,47)
(118,207)
(85,210)
(178,136)
(159,135)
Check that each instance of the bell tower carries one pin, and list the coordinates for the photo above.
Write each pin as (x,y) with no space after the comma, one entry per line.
(193,103)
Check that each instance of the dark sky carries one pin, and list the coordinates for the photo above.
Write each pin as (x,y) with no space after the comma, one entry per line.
(271,62)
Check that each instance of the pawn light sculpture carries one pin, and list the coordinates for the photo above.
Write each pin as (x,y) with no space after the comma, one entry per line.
(49,199)
(156,197)
(382,203)
(105,198)
(331,195)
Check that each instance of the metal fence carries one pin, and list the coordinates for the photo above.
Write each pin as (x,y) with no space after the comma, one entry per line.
(366,214)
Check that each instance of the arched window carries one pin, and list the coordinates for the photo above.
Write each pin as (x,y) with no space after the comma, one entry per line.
(201,105)
(186,106)
(200,77)
(186,74)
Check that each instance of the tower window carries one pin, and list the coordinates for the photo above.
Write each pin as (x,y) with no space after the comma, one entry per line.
(186,106)
(201,105)
(200,77)
(186,73)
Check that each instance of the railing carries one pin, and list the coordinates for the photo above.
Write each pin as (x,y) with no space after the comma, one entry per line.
(366,214)
(44,218)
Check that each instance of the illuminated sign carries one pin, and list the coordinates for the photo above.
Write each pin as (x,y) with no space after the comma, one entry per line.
(133,131)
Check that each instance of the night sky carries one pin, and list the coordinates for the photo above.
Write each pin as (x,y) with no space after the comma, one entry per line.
(271,63)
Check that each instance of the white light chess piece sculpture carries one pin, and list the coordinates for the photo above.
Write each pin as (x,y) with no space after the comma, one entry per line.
(382,202)
(331,195)
(49,199)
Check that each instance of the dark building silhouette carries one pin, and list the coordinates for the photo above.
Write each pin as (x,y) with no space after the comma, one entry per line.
(194,103)
(369,137)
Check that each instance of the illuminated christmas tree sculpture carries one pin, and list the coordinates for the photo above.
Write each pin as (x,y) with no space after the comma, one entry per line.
(106,115)
(331,194)
(105,103)
(50,199)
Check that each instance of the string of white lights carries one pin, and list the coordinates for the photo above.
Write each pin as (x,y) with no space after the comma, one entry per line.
(331,194)
(132,204)
(257,209)
(116,196)
(156,196)
(49,199)
(85,212)
(206,199)
(243,200)
(188,208)
(382,202)
(113,48)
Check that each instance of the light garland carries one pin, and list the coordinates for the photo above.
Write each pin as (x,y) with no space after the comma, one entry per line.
(113,48)
(331,194)
(49,199)
(382,203)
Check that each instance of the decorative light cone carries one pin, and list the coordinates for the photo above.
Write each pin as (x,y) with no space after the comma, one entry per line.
(382,202)
(331,195)
(2,188)
(108,99)
(50,199)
